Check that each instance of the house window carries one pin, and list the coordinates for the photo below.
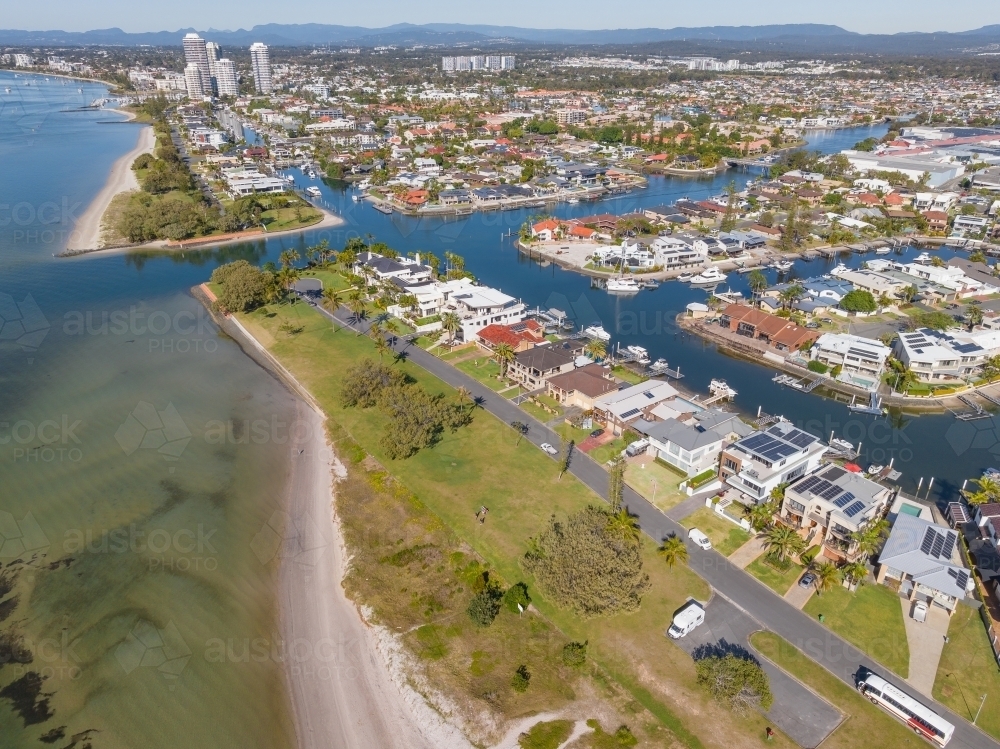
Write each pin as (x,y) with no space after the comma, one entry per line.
(731,464)
(796,506)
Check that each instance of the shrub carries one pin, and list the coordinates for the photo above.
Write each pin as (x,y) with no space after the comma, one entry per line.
(516,594)
(485,605)
(817,366)
(365,381)
(859,300)
(574,653)
(738,683)
(521,679)
(546,735)
(142,161)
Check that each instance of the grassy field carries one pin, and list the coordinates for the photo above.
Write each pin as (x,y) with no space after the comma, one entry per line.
(484,370)
(968,670)
(864,724)
(330,279)
(870,619)
(624,373)
(655,483)
(607,451)
(773,578)
(726,537)
(482,465)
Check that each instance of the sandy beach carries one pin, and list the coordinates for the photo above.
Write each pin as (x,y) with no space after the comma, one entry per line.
(86,234)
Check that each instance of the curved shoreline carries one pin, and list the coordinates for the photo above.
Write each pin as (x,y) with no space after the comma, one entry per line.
(86,233)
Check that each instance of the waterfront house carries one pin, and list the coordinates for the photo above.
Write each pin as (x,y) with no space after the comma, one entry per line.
(832,504)
(987,518)
(622,407)
(936,356)
(774,331)
(580,387)
(519,336)
(534,366)
(862,360)
(693,445)
(406,270)
(758,463)
(921,558)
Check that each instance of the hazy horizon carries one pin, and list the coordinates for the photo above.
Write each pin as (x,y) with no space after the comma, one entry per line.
(852,15)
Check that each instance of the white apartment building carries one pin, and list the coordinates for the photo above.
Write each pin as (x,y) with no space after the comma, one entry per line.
(571,116)
(196,53)
(23,61)
(260,60)
(193,82)
(249,181)
(936,356)
(757,464)
(213,51)
(862,359)
(227,84)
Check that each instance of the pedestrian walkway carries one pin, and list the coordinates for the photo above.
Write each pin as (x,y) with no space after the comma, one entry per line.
(926,641)
(749,551)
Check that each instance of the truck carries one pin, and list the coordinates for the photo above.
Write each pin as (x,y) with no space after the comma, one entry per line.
(686,620)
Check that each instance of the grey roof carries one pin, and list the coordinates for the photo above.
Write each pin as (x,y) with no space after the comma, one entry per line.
(712,426)
(854,498)
(544,358)
(923,550)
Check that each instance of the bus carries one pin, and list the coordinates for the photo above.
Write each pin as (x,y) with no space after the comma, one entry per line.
(924,721)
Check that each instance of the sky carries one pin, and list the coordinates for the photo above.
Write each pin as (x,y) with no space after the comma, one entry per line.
(855,15)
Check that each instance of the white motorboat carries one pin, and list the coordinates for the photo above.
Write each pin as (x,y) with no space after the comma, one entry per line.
(573,201)
(640,354)
(712,275)
(312,175)
(883,250)
(659,364)
(783,265)
(623,285)
(874,469)
(597,331)
(685,277)
(839,270)
(289,179)
(923,258)
(991,473)
(841,445)
(357,198)
(314,191)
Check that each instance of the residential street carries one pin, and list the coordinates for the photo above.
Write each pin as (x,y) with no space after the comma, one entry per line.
(762,608)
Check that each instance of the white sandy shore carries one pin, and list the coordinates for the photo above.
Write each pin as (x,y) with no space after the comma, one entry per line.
(86,234)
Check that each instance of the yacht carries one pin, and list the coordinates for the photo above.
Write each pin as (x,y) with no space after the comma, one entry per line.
(841,445)
(783,265)
(597,331)
(623,285)
(839,270)
(357,198)
(289,179)
(573,201)
(923,258)
(658,365)
(883,250)
(314,191)
(312,175)
(874,469)
(685,277)
(712,275)
(640,354)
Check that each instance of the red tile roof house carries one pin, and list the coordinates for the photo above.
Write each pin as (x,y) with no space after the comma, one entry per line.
(416,197)
(580,232)
(936,220)
(545,230)
(775,331)
(519,336)
(894,198)
(582,386)
(868,198)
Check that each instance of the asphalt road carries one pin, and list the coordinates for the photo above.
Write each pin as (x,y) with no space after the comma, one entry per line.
(762,608)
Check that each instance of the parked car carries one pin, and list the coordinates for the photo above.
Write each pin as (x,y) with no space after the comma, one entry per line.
(812,325)
(806,580)
(699,539)
(549,449)
(920,612)
(597,433)
(952,306)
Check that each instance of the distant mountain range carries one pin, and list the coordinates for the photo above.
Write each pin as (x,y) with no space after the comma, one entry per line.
(820,38)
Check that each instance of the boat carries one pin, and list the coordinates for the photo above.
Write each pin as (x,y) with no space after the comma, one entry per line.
(839,270)
(923,258)
(383,208)
(357,198)
(658,364)
(312,175)
(685,277)
(883,250)
(783,265)
(597,331)
(874,406)
(992,474)
(7,89)
(721,390)
(289,179)
(623,285)
(841,445)
(712,275)
(314,191)
(874,469)
(639,353)
(573,201)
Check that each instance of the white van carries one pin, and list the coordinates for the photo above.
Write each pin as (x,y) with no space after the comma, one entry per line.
(699,539)
(686,620)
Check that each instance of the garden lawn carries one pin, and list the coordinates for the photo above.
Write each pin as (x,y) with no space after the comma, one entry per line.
(870,618)
(482,464)
(864,724)
(624,373)
(726,536)
(775,579)
(537,412)
(569,432)
(330,279)
(484,370)
(607,451)
(968,670)
(654,482)
(280,219)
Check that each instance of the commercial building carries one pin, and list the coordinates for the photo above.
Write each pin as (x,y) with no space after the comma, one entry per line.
(833,504)
(226,82)
(777,455)
(939,168)
(260,61)
(196,54)
(477,62)
(570,116)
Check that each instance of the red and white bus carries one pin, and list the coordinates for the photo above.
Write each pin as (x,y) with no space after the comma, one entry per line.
(924,721)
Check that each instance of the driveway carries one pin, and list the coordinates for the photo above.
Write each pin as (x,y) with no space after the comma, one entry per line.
(762,608)
(748,552)
(798,596)
(803,715)
(926,642)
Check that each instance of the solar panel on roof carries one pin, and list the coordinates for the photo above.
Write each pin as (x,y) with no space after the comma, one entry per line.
(631,412)
(800,438)
(949,546)
(928,541)
(807,484)
(843,499)
(776,430)
(854,509)
(820,487)
(938,546)
(833,473)
(832,492)
(755,441)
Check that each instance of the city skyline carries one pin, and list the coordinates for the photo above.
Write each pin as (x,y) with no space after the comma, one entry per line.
(922,16)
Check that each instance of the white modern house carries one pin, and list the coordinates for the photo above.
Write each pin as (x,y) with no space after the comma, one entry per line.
(756,464)
(862,360)
(694,444)
(623,407)
(937,356)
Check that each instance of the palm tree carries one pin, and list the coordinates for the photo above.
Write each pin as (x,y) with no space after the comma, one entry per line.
(521,428)
(287,276)
(901,376)
(381,345)
(884,300)
(781,541)
(908,293)
(673,550)
(789,295)
(827,575)
(356,304)
(332,302)
(937,262)
(869,538)
(595,349)
(854,573)
(757,281)
(288,258)
(451,323)
(623,525)
(760,515)
(988,490)
(975,315)
(504,354)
